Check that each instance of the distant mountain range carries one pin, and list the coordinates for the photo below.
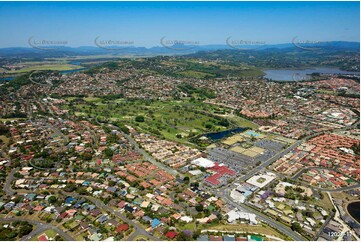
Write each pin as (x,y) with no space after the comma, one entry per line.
(178,49)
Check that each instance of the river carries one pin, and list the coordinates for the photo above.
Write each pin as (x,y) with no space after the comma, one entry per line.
(302,74)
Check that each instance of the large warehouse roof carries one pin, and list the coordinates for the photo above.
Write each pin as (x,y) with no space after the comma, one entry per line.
(203,162)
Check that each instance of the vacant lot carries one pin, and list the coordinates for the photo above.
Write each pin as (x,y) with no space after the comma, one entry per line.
(245,228)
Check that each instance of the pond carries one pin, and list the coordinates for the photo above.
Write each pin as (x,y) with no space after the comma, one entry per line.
(222,134)
(354,210)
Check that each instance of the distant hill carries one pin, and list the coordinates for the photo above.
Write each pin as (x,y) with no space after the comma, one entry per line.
(344,55)
(24,52)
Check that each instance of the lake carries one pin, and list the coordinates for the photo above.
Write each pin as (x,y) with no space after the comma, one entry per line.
(302,74)
(222,134)
(354,210)
(5,79)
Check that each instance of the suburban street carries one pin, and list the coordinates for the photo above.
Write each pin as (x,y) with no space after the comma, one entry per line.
(224,194)
(9,180)
(145,154)
(280,227)
(41,227)
(139,229)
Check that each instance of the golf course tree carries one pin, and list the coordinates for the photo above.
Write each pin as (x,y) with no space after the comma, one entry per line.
(139,118)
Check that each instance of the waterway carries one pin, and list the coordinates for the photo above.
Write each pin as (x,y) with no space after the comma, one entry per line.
(354,210)
(5,79)
(222,134)
(302,74)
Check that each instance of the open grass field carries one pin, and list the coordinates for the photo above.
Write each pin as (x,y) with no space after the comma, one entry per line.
(140,238)
(95,57)
(194,74)
(4,139)
(343,196)
(175,120)
(50,233)
(245,228)
(325,202)
(10,119)
(77,58)
(41,67)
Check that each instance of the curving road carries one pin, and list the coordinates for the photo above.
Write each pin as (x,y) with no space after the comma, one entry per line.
(40,228)
(139,229)
(299,173)
(9,179)
(145,154)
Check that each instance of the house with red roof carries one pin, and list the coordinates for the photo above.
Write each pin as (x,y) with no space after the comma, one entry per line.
(121,204)
(43,237)
(171,234)
(63,215)
(122,227)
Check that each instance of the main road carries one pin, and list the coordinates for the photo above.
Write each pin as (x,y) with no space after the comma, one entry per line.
(271,160)
(224,194)
(268,220)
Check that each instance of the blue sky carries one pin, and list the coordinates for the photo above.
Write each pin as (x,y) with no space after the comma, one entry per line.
(145,23)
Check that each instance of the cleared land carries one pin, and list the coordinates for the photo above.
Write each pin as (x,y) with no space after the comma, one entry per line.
(245,228)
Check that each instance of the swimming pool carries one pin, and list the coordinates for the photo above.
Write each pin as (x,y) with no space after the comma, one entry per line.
(251,132)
